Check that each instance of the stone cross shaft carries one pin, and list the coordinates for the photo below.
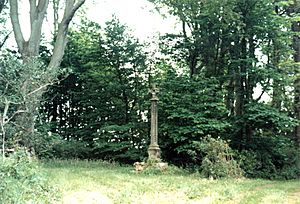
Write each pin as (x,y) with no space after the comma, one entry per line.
(154,150)
(154,117)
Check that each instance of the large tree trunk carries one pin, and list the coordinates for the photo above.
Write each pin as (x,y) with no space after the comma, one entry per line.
(29,49)
(278,88)
(296,45)
(61,40)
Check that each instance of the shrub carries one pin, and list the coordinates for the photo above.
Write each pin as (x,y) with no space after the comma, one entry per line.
(44,142)
(218,159)
(269,156)
(72,149)
(21,181)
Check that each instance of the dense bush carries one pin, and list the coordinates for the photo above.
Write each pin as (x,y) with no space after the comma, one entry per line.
(21,181)
(218,159)
(72,150)
(49,145)
(44,142)
(270,156)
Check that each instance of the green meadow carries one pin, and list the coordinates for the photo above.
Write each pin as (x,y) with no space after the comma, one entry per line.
(101,182)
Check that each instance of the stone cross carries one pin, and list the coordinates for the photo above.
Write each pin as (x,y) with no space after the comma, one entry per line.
(154,150)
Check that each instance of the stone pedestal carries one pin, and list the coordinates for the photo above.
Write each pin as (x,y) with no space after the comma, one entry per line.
(154,152)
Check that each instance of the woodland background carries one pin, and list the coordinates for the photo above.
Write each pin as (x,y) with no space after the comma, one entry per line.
(229,87)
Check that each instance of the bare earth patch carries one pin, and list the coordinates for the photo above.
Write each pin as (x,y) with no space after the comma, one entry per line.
(84,197)
(294,197)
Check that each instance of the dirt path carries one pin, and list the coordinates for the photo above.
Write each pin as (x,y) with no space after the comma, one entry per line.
(294,197)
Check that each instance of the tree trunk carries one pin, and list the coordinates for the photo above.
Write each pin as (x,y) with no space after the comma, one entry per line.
(229,100)
(29,49)
(296,46)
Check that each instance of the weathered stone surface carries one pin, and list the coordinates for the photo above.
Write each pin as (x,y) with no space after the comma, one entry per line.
(139,166)
(154,150)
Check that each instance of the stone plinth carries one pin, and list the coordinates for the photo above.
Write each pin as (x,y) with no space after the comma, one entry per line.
(153,151)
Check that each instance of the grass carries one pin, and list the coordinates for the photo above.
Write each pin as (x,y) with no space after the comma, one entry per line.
(101,182)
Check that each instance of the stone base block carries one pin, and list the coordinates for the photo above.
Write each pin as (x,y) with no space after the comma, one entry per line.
(154,152)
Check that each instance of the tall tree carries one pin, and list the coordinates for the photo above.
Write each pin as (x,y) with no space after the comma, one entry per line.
(204,37)
(229,40)
(222,40)
(30,50)
(295,8)
(102,102)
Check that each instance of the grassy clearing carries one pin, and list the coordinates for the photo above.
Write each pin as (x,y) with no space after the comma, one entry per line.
(98,182)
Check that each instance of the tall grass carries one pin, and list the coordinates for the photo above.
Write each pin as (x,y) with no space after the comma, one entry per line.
(103,182)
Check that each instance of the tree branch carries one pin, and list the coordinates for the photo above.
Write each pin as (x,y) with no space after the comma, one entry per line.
(4,40)
(32,10)
(15,113)
(14,16)
(6,107)
(70,10)
(20,126)
(38,89)
(262,93)
(59,47)
(37,15)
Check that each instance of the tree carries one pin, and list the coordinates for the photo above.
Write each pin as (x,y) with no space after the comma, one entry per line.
(221,39)
(30,50)
(205,35)
(229,40)
(17,99)
(294,9)
(190,109)
(105,92)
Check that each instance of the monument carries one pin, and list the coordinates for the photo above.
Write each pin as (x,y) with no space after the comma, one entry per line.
(154,150)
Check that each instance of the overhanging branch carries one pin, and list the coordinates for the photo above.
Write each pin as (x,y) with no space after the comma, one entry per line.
(4,40)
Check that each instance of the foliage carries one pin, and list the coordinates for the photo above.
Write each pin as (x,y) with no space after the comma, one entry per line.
(2,5)
(21,89)
(264,117)
(213,77)
(270,156)
(248,57)
(72,150)
(99,107)
(218,159)
(46,143)
(22,182)
(189,110)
